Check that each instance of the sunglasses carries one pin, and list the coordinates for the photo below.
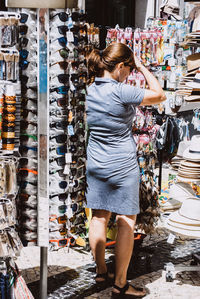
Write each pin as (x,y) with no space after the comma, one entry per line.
(64,242)
(25,101)
(26,112)
(60,161)
(25,161)
(63,78)
(61,197)
(25,137)
(62,138)
(63,16)
(74,206)
(73,138)
(24,184)
(23,64)
(23,17)
(23,29)
(76,16)
(63,64)
(25,171)
(60,102)
(60,90)
(62,41)
(24,53)
(61,150)
(24,124)
(23,42)
(25,149)
(59,125)
(63,184)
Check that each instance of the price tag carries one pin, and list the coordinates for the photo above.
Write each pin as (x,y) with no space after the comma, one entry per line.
(70,130)
(68,158)
(70,37)
(171,239)
(66,169)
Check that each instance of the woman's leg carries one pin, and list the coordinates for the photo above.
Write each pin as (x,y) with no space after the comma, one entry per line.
(123,251)
(97,238)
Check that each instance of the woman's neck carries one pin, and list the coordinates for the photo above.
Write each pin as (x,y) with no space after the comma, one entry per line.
(109,75)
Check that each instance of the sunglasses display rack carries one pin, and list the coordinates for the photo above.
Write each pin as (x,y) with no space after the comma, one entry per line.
(68,74)
(27,171)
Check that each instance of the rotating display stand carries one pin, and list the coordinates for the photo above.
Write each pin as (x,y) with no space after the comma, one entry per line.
(43,123)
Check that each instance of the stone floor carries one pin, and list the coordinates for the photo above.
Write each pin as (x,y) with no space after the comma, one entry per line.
(71,274)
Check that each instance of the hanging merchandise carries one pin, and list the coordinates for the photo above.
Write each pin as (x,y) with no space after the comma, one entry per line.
(144,132)
(27,171)
(70,39)
(9,22)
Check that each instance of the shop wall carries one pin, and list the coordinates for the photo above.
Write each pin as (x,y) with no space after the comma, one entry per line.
(143,10)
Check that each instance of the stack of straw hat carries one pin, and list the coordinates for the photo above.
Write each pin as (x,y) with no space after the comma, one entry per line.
(186,220)
(189,169)
(189,86)
(176,161)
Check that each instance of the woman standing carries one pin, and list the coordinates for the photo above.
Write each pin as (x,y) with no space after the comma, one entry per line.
(112,169)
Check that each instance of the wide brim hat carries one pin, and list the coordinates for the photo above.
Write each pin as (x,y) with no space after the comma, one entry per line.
(181,191)
(186,179)
(187,155)
(192,234)
(170,204)
(192,98)
(193,62)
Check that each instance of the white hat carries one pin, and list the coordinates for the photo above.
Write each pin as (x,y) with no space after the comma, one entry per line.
(181,191)
(195,83)
(182,147)
(171,8)
(170,204)
(192,153)
(186,220)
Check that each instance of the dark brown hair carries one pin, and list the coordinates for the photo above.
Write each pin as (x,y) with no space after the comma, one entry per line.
(99,60)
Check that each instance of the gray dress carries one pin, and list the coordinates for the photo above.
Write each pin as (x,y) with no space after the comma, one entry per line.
(112,168)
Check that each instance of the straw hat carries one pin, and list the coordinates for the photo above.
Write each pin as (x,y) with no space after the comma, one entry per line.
(193,62)
(195,83)
(171,8)
(186,220)
(192,153)
(181,191)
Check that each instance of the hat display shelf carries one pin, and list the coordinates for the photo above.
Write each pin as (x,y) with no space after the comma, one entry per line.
(10,99)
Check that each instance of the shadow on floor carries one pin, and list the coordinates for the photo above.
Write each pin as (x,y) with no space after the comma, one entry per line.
(80,283)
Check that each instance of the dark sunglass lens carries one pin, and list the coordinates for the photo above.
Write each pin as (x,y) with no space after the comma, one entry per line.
(23,42)
(63,16)
(24,53)
(64,53)
(63,242)
(23,29)
(62,41)
(63,78)
(63,65)
(63,184)
(24,18)
(62,102)
(63,196)
(62,29)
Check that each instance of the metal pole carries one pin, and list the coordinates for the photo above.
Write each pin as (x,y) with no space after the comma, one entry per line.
(155,8)
(43,272)
(43,146)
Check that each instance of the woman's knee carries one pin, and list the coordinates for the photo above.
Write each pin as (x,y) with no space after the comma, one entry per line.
(127,221)
(102,216)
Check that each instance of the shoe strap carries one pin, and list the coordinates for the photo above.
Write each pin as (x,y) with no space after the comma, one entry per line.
(122,290)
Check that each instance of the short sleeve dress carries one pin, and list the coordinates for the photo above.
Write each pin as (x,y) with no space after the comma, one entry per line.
(112,169)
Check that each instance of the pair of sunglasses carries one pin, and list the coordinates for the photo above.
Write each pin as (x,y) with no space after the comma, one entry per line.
(60,90)
(64,242)
(63,64)
(61,150)
(61,102)
(59,125)
(24,124)
(60,161)
(63,78)
(25,137)
(62,138)
(63,16)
